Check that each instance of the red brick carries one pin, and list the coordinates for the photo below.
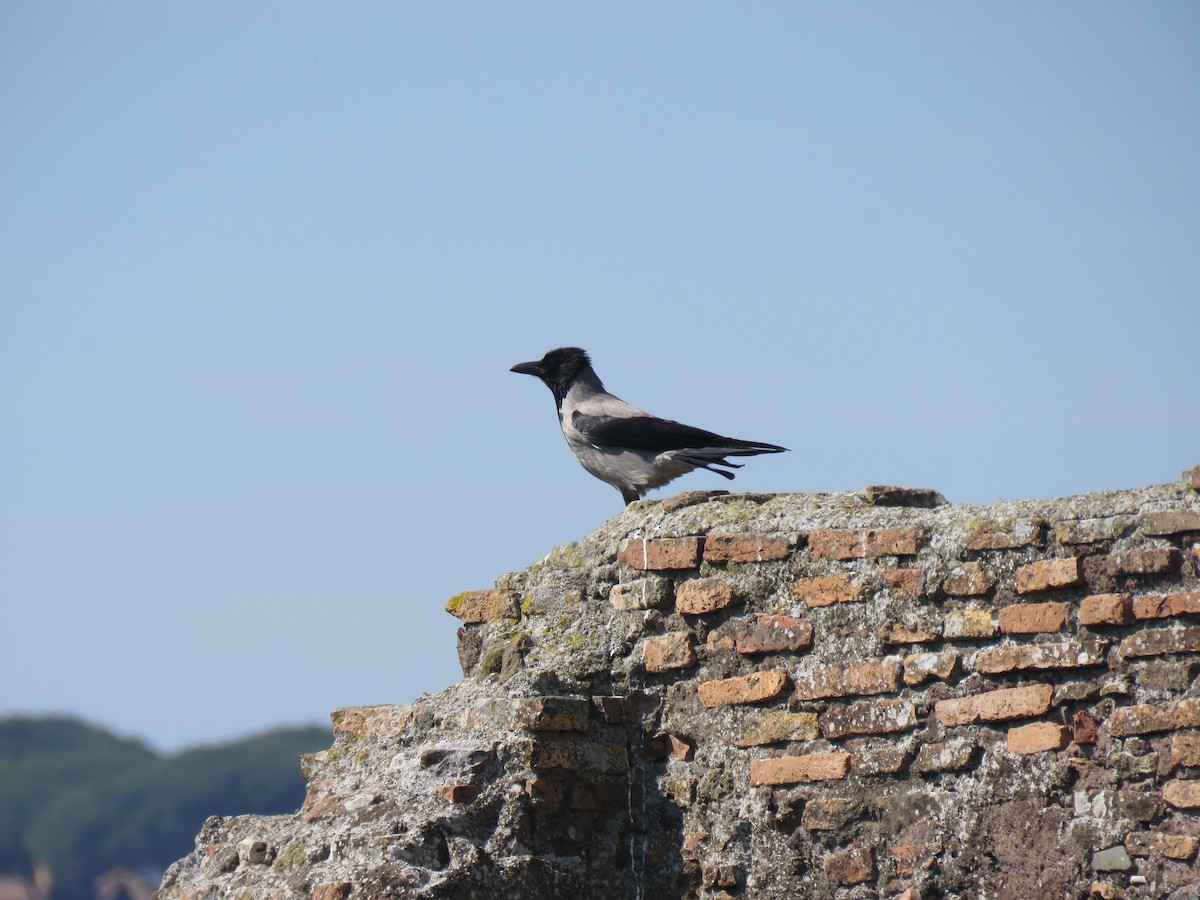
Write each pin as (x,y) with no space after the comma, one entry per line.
(664,653)
(995,706)
(656,554)
(1084,729)
(1047,574)
(969,580)
(1158,606)
(1037,737)
(851,866)
(1146,561)
(1033,618)
(911,857)
(1127,720)
(906,582)
(832,543)
(1018,657)
(698,596)
(825,590)
(1182,794)
(753,688)
(868,717)
(1105,609)
(993,536)
(678,748)
(745,548)
(775,634)
(542,792)
(459,793)
(795,769)
(867,677)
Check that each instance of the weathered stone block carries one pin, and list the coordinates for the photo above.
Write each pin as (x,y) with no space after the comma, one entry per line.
(1144,561)
(943,756)
(1048,574)
(1170,522)
(1182,794)
(552,713)
(658,554)
(1162,641)
(652,592)
(825,590)
(1112,859)
(753,688)
(1018,657)
(474,607)
(775,727)
(829,813)
(1105,609)
(868,717)
(744,548)
(796,769)
(998,536)
(867,677)
(1092,530)
(667,652)
(969,624)
(920,667)
(1033,618)
(922,631)
(969,580)
(1038,737)
(1166,675)
(1127,720)
(699,596)
(1185,750)
(996,706)
(1162,843)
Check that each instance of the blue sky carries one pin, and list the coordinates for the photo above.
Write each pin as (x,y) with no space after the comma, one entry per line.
(264,268)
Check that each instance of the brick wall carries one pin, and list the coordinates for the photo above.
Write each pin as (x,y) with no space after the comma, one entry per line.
(859,695)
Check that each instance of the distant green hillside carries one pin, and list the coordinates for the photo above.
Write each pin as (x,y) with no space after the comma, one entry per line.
(82,801)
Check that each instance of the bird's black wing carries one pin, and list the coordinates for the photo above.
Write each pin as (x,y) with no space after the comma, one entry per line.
(655,435)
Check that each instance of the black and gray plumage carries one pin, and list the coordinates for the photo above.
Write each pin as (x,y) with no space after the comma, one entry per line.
(621,444)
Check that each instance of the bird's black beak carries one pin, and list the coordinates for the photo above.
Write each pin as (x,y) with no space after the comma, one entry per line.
(529,368)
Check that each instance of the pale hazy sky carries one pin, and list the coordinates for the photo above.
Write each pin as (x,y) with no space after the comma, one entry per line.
(264,268)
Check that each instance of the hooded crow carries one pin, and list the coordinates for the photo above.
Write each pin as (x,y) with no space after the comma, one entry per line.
(620,444)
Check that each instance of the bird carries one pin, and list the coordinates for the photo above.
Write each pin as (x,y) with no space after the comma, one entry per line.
(622,445)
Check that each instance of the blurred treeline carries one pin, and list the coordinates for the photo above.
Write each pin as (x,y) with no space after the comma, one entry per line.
(79,801)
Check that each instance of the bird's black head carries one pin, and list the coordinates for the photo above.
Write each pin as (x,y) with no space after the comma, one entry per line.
(558,369)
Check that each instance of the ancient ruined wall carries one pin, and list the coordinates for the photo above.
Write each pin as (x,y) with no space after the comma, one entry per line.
(783,696)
